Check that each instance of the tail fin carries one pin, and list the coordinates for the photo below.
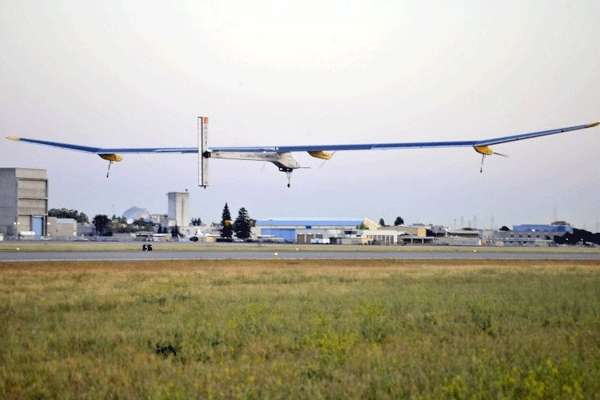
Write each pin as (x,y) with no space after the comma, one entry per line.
(203,153)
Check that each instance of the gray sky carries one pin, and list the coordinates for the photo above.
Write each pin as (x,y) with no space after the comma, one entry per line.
(310,72)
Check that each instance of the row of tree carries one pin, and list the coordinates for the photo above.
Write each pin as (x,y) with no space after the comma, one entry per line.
(579,236)
(106,226)
(399,221)
(242,226)
(196,222)
(68,213)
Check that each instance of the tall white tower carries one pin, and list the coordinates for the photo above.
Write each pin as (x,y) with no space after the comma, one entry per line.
(179,208)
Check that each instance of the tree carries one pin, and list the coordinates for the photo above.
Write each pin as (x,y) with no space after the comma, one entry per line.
(120,225)
(226,226)
(141,224)
(398,221)
(382,222)
(102,224)
(196,222)
(578,236)
(67,213)
(82,218)
(505,228)
(243,224)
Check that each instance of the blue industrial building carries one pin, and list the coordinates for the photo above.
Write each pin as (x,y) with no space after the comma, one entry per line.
(286,228)
(533,234)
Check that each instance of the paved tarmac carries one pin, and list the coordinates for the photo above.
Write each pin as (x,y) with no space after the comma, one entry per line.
(291,255)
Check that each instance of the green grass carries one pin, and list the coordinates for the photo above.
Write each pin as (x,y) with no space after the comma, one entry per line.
(300,329)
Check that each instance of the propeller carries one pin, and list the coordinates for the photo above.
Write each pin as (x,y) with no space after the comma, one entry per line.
(325,160)
(493,154)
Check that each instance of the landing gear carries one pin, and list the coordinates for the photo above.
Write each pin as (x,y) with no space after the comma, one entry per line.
(483,159)
(108,172)
(288,173)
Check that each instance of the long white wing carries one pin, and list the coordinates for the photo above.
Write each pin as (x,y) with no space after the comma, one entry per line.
(309,148)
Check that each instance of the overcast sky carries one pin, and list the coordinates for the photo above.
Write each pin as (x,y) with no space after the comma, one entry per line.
(312,72)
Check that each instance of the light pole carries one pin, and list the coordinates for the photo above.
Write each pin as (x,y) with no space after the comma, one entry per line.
(16,229)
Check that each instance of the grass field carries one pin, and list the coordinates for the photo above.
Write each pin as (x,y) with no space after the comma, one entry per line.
(300,329)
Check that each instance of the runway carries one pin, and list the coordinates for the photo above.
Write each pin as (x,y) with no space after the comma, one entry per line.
(289,255)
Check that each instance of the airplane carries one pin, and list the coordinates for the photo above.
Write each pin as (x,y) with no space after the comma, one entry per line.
(281,156)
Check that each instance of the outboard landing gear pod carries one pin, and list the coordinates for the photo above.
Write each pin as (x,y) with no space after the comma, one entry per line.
(110,158)
(486,151)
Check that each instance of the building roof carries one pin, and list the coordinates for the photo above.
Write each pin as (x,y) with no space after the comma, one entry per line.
(309,221)
(135,213)
(542,228)
(27,173)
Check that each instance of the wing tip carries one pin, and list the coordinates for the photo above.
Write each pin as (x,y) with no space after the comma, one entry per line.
(593,124)
(14,138)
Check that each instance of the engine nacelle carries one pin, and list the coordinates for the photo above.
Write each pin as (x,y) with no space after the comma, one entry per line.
(111,157)
(485,150)
(323,155)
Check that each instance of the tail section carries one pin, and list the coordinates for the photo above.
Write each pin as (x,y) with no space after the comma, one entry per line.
(203,153)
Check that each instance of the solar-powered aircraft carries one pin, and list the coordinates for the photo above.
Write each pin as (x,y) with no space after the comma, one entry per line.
(282,156)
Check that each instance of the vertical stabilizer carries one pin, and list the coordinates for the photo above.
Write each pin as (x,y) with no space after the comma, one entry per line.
(203,153)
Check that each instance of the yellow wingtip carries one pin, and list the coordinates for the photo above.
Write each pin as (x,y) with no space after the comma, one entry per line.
(593,124)
(15,138)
